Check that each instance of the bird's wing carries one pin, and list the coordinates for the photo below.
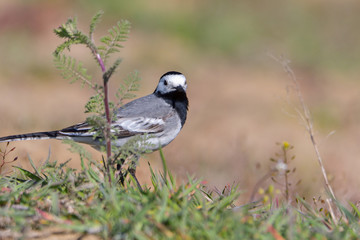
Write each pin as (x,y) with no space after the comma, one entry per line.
(126,127)
(122,127)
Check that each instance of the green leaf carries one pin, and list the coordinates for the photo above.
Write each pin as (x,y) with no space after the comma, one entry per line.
(29,174)
(33,165)
(128,87)
(355,209)
(95,104)
(67,30)
(94,21)
(72,35)
(117,35)
(72,70)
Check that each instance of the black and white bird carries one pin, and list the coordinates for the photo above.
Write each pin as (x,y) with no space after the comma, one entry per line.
(160,116)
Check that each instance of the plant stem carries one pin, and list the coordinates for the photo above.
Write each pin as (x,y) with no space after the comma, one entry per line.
(310,129)
(286,177)
(107,132)
(108,119)
(305,115)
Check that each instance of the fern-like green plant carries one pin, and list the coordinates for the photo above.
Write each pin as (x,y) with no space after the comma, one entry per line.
(113,42)
(127,89)
(69,31)
(74,70)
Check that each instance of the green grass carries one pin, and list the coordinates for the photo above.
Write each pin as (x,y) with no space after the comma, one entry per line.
(82,202)
(87,203)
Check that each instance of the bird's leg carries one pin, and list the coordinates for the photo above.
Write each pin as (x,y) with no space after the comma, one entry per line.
(119,168)
(132,170)
(119,161)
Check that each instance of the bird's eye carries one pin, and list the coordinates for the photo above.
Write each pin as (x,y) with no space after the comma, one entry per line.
(165,83)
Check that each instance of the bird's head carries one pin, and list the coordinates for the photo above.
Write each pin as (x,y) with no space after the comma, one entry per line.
(171,82)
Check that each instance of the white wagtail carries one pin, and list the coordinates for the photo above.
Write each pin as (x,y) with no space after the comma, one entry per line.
(160,116)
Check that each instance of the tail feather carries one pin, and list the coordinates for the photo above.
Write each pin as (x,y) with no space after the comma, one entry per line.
(33,136)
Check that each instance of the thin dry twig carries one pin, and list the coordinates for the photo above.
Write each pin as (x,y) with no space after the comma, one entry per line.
(331,211)
(305,116)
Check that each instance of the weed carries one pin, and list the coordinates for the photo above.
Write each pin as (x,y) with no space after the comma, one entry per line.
(3,155)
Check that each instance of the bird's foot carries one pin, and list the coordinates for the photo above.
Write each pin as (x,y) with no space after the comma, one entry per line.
(132,172)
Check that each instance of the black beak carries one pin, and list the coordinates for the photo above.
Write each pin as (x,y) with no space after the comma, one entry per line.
(180,89)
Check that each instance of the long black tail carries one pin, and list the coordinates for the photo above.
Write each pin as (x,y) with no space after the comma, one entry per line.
(32,136)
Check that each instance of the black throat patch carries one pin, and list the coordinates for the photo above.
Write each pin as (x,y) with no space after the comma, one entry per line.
(179,101)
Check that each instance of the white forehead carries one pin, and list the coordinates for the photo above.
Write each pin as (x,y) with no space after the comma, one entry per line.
(176,79)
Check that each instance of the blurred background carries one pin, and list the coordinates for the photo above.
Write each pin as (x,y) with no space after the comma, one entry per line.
(239,103)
